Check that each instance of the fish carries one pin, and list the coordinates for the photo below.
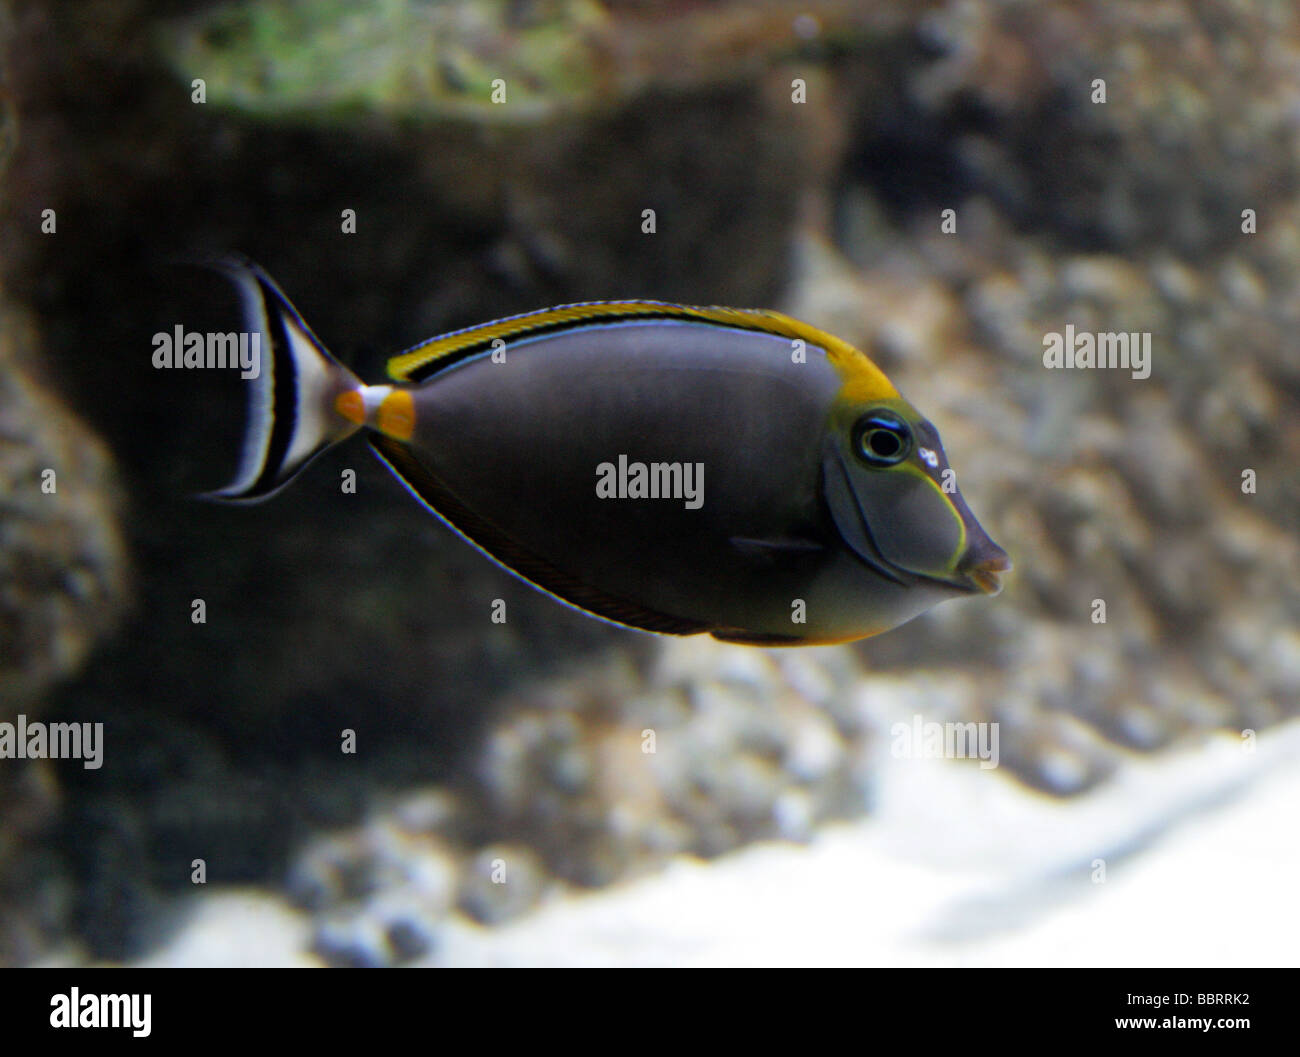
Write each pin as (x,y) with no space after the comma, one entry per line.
(671,468)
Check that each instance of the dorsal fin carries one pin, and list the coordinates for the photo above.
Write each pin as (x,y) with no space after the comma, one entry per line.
(429,357)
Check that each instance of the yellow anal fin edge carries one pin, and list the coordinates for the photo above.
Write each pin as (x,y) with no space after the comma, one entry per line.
(759,638)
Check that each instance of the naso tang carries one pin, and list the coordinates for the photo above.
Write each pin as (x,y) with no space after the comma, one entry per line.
(671,468)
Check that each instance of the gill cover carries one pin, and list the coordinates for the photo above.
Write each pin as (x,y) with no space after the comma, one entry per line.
(882,474)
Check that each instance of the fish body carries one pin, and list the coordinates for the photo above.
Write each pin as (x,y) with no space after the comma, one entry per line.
(672,468)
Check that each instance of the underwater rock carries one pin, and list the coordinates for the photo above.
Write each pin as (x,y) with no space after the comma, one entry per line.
(63,566)
(63,588)
(580,784)
(1085,119)
(490,62)
(500,882)
(351,612)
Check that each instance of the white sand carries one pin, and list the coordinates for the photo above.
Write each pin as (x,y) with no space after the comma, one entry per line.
(962,867)
(955,867)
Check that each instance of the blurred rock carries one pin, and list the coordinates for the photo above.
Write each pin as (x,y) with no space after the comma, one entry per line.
(63,588)
(1186,91)
(500,882)
(528,742)
(63,566)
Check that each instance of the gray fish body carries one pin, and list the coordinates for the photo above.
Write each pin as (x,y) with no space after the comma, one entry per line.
(672,468)
(728,402)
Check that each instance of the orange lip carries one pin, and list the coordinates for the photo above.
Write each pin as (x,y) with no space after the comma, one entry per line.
(985,574)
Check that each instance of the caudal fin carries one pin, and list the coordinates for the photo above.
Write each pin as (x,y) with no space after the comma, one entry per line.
(294,412)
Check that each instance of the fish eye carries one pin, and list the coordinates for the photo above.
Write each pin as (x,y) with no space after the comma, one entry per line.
(882,438)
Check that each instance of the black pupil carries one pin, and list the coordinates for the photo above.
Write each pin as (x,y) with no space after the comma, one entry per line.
(884,443)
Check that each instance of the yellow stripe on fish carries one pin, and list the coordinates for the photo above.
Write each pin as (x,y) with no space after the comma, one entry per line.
(863,379)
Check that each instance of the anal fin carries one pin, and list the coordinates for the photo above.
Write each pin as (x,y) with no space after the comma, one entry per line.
(757,638)
(515,558)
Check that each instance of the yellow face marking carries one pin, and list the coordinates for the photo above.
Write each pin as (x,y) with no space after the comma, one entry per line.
(396,417)
(351,406)
(864,382)
(916,471)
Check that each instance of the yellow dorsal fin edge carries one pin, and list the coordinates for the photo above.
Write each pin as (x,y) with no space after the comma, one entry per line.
(863,379)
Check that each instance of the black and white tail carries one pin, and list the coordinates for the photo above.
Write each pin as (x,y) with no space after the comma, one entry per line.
(298,407)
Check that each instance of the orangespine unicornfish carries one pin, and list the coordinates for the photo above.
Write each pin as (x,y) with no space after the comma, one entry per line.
(670,468)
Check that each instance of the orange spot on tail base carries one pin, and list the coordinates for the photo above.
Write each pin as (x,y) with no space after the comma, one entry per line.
(397,415)
(351,406)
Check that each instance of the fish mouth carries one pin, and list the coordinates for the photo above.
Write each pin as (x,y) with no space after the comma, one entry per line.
(977,571)
(985,573)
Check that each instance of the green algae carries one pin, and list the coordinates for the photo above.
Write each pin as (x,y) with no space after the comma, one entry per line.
(486,60)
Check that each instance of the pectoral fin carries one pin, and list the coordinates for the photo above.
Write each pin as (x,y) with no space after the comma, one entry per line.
(775,546)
